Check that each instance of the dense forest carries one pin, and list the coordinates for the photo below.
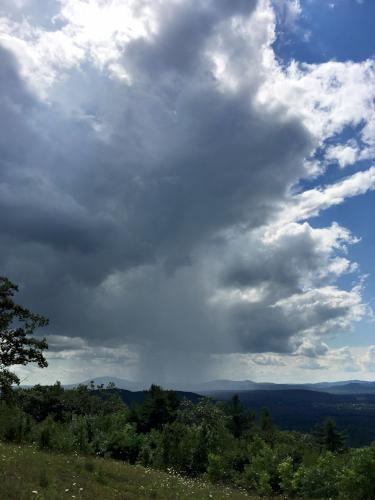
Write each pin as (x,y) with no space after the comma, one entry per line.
(222,442)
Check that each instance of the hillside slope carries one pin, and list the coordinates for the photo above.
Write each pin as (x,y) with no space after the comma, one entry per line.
(27,474)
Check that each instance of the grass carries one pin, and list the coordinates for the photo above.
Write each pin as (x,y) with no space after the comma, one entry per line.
(26,473)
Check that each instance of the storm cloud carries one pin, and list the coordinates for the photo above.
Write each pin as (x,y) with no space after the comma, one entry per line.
(143,171)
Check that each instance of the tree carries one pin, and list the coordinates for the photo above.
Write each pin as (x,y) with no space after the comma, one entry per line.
(17,346)
(329,437)
(266,426)
(159,408)
(239,418)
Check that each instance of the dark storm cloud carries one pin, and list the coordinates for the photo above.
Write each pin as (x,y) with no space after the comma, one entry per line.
(116,198)
(16,105)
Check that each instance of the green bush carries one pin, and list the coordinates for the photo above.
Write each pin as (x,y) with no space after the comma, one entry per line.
(357,480)
(124,444)
(319,480)
(216,469)
(260,474)
(15,425)
(81,435)
(150,453)
(285,471)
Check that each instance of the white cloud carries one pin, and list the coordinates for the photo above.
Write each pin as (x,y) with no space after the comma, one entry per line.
(268,360)
(311,202)
(368,359)
(343,154)
(312,348)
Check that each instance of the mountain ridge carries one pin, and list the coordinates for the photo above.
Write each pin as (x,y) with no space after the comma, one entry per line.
(206,388)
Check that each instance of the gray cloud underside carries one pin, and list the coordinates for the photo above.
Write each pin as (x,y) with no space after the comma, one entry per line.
(123,236)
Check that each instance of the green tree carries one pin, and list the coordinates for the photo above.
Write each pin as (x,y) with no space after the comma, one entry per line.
(267,428)
(17,346)
(240,419)
(159,408)
(329,437)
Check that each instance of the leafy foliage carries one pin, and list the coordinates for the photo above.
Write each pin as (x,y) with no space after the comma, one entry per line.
(17,346)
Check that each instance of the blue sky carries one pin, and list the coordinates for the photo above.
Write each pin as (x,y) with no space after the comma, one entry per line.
(337,29)
(340,30)
(188,186)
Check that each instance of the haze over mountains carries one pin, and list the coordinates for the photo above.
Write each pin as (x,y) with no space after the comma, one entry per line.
(206,388)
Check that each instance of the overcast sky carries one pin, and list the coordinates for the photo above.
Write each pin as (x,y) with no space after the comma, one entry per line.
(187,187)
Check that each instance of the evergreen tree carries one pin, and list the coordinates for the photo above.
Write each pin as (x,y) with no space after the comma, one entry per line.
(329,437)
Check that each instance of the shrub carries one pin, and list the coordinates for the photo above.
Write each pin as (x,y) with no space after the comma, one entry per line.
(15,425)
(319,480)
(81,438)
(357,480)
(286,474)
(216,469)
(124,444)
(260,474)
(46,434)
(150,449)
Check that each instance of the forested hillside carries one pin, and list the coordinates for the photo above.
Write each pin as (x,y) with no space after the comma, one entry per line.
(302,409)
(220,442)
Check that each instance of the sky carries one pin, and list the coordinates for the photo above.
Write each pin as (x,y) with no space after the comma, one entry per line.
(187,187)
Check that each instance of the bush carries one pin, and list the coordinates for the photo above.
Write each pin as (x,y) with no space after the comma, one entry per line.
(81,438)
(320,480)
(286,475)
(54,436)
(357,480)
(216,469)
(150,449)
(124,444)
(15,425)
(260,474)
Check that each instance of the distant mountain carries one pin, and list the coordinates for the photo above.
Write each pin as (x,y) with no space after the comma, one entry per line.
(221,385)
(356,387)
(341,387)
(206,388)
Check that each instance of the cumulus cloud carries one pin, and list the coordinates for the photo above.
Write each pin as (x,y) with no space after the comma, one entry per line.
(268,360)
(149,167)
(368,359)
(312,348)
(344,154)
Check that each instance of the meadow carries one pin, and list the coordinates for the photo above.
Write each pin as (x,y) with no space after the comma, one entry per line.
(27,473)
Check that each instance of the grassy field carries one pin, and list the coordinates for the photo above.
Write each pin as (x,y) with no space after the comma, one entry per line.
(26,473)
